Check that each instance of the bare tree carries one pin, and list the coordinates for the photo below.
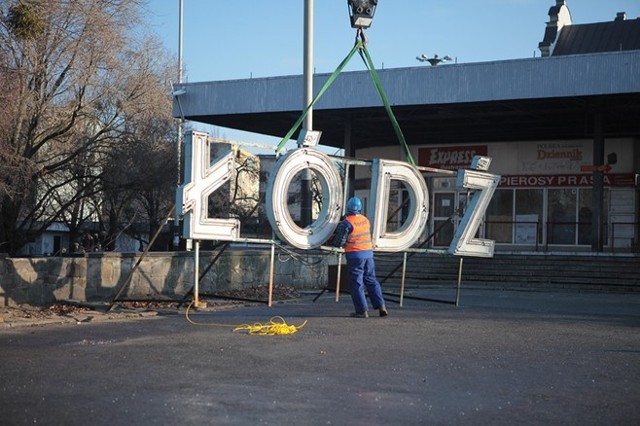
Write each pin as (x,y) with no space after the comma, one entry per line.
(79,83)
(245,194)
(238,198)
(139,181)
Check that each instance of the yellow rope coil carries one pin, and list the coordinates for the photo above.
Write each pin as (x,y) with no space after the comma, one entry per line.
(277,326)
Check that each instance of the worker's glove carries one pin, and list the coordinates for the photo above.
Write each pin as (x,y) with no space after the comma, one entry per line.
(339,236)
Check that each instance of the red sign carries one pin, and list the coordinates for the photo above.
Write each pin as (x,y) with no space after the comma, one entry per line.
(596,168)
(586,180)
(450,157)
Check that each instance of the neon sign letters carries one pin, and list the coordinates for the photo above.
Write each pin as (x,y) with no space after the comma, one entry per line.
(276,198)
(202,179)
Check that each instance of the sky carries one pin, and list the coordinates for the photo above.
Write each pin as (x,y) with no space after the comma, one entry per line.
(232,39)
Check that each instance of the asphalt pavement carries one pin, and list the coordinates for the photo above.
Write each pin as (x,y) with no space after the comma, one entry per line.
(499,358)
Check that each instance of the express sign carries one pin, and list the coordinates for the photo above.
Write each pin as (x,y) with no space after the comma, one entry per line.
(203,178)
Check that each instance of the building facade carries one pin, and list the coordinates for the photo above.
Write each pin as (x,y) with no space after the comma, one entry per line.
(563,131)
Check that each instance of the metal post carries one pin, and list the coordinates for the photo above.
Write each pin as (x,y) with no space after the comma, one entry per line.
(345,185)
(196,278)
(597,231)
(344,203)
(271,270)
(349,151)
(176,237)
(308,62)
(196,273)
(459,282)
(180,42)
(338,273)
(305,184)
(404,270)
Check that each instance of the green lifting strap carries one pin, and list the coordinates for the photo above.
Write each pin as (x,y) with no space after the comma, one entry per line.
(376,81)
(361,46)
(328,83)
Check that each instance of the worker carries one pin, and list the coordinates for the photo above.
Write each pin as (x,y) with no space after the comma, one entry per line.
(354,234)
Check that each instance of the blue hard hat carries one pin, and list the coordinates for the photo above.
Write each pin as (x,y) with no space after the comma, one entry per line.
(354,204)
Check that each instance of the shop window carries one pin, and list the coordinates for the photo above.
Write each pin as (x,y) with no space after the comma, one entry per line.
(529,212)
(443,233)
(444,206)
(499,222)
(562,217)
(585,216)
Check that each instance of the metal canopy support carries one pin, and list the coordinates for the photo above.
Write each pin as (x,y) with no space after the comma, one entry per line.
(597,231)
(349,151)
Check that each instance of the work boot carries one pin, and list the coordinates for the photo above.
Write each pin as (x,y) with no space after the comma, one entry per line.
(364,314)
(383,311)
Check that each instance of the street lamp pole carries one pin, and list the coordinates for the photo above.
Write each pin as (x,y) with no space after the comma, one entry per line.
(305,182)
(176,237)
(308,62)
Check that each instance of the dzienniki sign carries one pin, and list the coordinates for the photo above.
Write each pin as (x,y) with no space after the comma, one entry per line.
(203,178)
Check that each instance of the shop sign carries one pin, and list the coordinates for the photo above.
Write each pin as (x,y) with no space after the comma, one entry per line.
(552,157)
(567,180)
(450,157)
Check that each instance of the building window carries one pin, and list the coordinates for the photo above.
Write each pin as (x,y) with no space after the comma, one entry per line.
(529,213)
(570,213)
(499,223)
(444,206)
(585,216)
(561,226)
(560,216)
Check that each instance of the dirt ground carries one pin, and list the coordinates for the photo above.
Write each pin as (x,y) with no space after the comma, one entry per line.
(75,312)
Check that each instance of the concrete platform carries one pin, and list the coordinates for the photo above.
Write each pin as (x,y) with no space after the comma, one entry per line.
(498,358)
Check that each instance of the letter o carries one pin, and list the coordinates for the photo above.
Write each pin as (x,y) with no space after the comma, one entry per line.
(277,192)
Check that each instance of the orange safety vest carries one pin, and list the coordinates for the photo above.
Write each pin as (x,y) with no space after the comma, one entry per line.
(360,238)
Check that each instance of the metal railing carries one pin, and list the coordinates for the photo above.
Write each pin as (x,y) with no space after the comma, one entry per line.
(568,233)
(538,234)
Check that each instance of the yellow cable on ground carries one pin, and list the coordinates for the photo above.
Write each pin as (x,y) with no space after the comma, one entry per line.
(277,326)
